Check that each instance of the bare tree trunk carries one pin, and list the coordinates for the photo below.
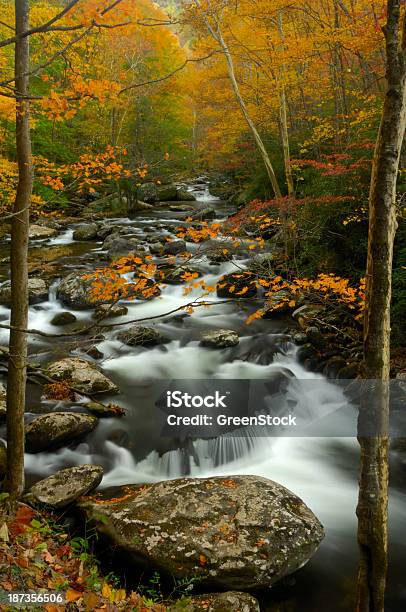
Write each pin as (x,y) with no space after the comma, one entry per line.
(373,483)
(19,268)
(217,35)
(284,117)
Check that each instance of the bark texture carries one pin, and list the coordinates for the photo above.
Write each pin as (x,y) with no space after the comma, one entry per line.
(373,483)
(19,269)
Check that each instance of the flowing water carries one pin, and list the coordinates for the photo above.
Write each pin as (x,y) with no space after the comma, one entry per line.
(322,471)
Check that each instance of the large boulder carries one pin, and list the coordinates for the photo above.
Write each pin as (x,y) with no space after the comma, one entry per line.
(63,318)
(87,231)
(148,193)
(56,429)
(39,232)
(141,336)
(107,311)
(238,532)
(204,214)
(120,246)
(82,374)
(175,275)
(185,196)
(219,338)
(62,488)
(230,601)
(76,291)
(37,291)
(167,193)
(175,247)
(237,285)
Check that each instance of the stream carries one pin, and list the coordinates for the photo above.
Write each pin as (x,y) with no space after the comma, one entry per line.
(322,471)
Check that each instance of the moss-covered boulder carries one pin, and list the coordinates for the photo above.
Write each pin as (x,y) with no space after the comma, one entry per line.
(61,489)
(138,335)
(82,374)
(56,429)
(238,532)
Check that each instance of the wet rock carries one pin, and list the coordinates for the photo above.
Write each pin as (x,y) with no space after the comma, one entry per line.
(56,429)
(238,532)
(64,487)
(204,214)
(105,230)
(231,286)
(334,365)
(220,256)
(106,311)
(148,193)
(141,336)
(156,248)
(123,247)
(175,247)
(262,263)
(39,232)
(350,371)
(230,601)
(173,275)
(185,196)
(85,232)
(147,291)
(219,338)
(167,193)
(278,304)
(37,291)
(305,352)
(63,318)
(94,352)
(104,410)
(75,291)
(82,374)
(315,337)
(300,338)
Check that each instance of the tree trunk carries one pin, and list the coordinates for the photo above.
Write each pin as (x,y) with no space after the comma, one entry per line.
(16,381)
(217,35)
(373,482)
(284,117)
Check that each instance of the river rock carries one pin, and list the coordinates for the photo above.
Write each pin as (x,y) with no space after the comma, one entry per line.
(37,291)
(262,263)
(141,336)
(156,248)
(123,247)
(75,291)
(82,374)
(230,601)
(88,231)
(185,196)
(219,338)
(106,311)
(56,429)
(306,313)
(167,193)
(237,532)
(230,285)
(39,232)
(148,193)
(62,488)
(173,275)
(63,318)
(175,247)
(204,214)
(315,337)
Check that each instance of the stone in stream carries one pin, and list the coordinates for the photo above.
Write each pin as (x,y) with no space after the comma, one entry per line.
(82,374)
(173,275)
(120,246)
(235,532)
(167,193)
(156,248)
(219,338)
(64,487)
(230,601)
(175,247)
(148,193)
(75,291)
(237,285)
(63,318)
(185,196)
(56,429)
(87,231)
(39,232)
(141,336)
(204,214)
(106,311)
(37,291)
